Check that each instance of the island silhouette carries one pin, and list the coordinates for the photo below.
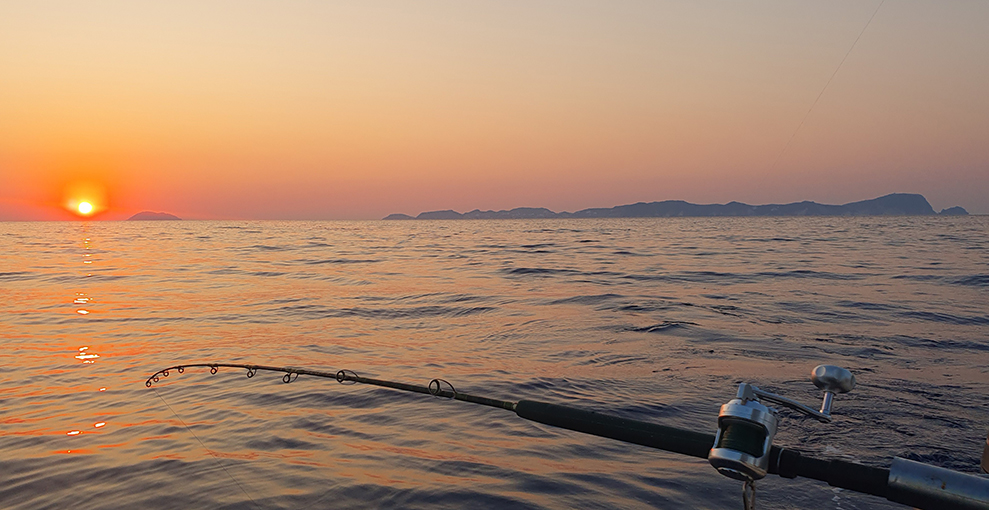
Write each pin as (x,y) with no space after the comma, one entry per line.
(894,204)
(152,216)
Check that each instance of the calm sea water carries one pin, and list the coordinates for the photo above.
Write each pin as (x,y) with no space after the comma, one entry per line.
(654,319)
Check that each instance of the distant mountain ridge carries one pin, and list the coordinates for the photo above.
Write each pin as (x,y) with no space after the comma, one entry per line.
(894,204)
(152,216)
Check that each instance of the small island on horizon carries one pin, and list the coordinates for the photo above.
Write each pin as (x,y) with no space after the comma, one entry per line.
(153,216)
(894,204)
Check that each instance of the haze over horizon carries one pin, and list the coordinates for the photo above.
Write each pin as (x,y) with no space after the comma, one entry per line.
(299,110)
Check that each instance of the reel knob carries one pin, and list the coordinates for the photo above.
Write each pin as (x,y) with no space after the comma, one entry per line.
(833,379)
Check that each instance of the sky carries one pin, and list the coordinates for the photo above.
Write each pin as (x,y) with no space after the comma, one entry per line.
(355,110)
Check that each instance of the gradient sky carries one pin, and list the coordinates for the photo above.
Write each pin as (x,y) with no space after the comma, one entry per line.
(351,110)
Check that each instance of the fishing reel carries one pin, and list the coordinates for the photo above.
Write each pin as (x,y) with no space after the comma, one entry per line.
(746,427)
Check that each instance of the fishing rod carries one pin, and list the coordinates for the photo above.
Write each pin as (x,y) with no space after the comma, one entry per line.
(741,448)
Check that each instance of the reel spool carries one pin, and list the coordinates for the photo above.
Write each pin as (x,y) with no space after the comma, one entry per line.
(745,436)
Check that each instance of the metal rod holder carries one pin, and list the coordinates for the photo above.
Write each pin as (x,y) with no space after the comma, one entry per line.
(917,484)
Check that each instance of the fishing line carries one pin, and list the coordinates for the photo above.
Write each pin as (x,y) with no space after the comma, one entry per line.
(748,495)
(835,73)
(207,449)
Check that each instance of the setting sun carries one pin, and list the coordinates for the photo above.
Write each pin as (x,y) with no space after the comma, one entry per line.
(85,198)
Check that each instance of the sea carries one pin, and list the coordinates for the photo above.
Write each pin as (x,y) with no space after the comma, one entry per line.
(654,319)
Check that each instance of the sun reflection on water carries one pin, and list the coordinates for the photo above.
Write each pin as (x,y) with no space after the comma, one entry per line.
(86,356)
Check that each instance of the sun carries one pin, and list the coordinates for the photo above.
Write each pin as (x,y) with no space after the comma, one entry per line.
(85,199)
(84,207)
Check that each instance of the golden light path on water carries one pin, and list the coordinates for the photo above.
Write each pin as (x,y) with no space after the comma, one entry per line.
(648,319)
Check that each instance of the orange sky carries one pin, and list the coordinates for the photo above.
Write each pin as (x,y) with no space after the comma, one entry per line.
(320,110)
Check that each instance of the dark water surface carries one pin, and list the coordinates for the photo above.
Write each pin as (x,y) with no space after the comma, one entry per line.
(654,319)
